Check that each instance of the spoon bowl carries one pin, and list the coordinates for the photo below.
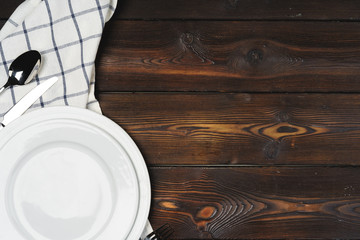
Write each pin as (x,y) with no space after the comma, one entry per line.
(23,69)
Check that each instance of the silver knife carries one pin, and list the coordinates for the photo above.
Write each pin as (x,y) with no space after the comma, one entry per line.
(25,102)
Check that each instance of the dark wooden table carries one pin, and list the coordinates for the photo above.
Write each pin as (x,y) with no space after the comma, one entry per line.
(247,112)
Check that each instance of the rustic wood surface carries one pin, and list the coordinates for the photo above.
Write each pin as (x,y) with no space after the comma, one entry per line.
(247,112)
(230,56)
(227,9)
(257,202)
(240,9)
(218,128)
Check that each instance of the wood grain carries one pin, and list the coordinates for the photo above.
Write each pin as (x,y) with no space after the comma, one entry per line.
(227,9)
(240,9)
(219,128)
(261,203)
(230,56)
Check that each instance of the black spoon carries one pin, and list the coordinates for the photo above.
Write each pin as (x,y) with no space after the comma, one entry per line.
(23,69)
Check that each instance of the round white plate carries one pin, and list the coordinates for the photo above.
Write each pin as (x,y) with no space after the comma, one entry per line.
(71,174)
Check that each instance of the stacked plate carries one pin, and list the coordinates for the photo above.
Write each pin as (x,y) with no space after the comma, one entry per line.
(69,173)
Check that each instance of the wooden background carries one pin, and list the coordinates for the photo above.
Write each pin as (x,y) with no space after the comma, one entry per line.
(247,112)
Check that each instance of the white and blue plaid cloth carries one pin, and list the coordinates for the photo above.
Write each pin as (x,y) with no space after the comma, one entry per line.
(67,33)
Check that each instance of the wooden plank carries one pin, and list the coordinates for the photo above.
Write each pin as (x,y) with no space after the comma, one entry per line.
(227,9)
(257,203)
(230,56)
(240,9)
(219,128)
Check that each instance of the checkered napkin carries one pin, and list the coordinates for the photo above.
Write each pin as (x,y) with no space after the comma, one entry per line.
(67,34)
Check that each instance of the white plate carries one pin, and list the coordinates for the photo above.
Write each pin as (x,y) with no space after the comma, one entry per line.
(71,174)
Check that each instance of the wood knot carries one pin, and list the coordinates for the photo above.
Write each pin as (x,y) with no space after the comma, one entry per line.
(206,212)
(168,205)
(278,131)
(191,46)
(187,38)
(286,129)
(271,150)
(254,56)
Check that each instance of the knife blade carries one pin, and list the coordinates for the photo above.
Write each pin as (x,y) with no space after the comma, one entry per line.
(25,102)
